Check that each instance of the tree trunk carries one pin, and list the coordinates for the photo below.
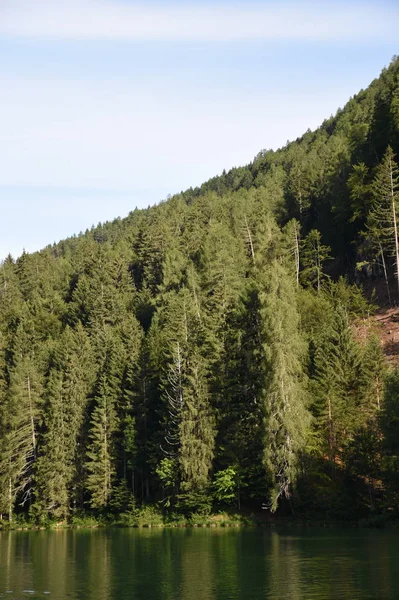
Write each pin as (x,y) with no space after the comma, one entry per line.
(330,431)
(385,273)
(296,254)
(32,421)
(10,500)
(394,225)
(249,236)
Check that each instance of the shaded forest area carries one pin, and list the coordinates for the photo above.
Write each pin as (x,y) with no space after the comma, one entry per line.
(205,352)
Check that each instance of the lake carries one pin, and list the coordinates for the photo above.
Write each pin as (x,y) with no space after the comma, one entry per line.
(200,564)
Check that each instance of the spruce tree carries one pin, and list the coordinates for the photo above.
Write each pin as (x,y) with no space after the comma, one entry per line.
(389,421)
(59,466)
(287,418)
(54,465)
(100,454)
(313,255)
(104,422)
(188,420)
(338,390)
(127,407)
(4,481)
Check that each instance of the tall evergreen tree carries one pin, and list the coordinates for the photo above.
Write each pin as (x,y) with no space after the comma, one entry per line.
(104,422)
(286,415)
(100,454)
(384,215)
(338,389)
(188,419)
(68,386)
(313,255)
(22,414)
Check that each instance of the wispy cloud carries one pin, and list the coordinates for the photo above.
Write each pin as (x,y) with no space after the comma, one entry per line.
(117,20)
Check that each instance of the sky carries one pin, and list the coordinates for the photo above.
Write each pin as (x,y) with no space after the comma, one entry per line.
(109,105)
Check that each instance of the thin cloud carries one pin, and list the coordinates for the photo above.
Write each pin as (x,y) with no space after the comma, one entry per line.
(115,20)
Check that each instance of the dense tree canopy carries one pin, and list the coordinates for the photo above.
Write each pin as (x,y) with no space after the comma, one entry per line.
(204,351)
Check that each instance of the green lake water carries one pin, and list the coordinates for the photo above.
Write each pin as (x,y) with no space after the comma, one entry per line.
(200,564)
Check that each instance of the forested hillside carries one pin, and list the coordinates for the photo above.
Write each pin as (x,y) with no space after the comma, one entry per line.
(205,352)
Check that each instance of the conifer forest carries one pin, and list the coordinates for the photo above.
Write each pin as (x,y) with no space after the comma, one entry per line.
(219,349)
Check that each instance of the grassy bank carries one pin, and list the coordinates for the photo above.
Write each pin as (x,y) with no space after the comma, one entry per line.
(149,516)
(143,517)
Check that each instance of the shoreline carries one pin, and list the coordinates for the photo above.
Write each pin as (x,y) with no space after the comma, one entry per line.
(382,523)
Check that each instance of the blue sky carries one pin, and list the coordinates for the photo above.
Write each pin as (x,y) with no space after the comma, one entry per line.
(111,104)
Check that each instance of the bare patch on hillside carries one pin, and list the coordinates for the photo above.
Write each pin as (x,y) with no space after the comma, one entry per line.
(384,324)
(387,328)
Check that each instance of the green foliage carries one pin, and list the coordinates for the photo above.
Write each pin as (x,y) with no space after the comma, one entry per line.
(145,516)
(83,519)
(313,255)
(206,349)
(359,186)
(351,297)
(225,485)
(287,419)
(167,471)
(100,466)
(390,427)
(121,498)
(338,390)
(191,501)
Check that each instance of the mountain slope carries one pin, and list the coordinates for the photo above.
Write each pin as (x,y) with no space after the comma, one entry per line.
(202,352)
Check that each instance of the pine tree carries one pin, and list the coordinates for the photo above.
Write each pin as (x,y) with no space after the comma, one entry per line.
(68,386)
(196,431)
(313,255)
(100,454)
(363,456)
(241,413)
(292,232)
(101,447)
(300,184)
(338,389)
(188,419)
(4,480)
(127,407)
(54,465)
(389,421)
(359,187)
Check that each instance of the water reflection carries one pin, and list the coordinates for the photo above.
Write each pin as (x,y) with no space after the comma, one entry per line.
(199,564)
